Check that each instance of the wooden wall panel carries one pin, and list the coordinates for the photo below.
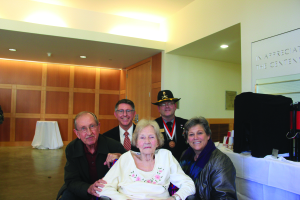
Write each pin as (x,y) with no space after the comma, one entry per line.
(28,101)
(122,79)
(58,75)
(5,100)
(229,121)
(25,129)
(63,127)
(30,92)
(109,79)
(154,110)
(17,72)
(156,68)
(107,124)
(84,77)
(107,104)
(219,131)
(139,89)
(156,83)
(5,130)
(57,102)
(122,96)
(74,136)
(84,102)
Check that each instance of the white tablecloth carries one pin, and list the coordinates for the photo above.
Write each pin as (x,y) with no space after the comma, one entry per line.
(47,135)
(265,178)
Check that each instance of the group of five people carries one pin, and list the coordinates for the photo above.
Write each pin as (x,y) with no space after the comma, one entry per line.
(156,154)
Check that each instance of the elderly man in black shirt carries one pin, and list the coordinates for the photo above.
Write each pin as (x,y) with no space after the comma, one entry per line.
(88,159)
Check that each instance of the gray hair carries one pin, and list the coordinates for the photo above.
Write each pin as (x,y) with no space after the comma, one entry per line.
(143,124)
(82,113)
(127,101)
(197,121)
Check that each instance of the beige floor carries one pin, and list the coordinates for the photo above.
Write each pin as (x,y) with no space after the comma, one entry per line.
(33,174)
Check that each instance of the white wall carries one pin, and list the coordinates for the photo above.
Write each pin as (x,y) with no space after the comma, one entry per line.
(200,19)
(259,19)
(201,85)
(263,19)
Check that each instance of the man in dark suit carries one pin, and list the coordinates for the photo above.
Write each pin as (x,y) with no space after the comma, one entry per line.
(88,158)
(124,112)
(170,125)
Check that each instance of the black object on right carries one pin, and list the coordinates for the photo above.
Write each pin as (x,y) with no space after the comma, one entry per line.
(294,134)
(261,123)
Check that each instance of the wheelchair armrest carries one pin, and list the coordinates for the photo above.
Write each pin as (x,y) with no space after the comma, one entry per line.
(103,198)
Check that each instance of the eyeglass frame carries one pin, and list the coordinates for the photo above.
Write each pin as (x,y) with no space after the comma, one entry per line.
(91,127)
(168,103)
(128,112)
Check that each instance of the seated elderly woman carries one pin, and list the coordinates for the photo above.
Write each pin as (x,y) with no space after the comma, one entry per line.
(211,170)
(147,174)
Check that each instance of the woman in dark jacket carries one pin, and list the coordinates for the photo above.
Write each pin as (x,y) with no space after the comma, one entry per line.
(211,170)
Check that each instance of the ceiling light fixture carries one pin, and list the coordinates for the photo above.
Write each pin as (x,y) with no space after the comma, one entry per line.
(12,49)
(224,46)
(82,56)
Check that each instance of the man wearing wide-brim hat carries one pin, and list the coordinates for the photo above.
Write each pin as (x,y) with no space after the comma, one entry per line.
(170,125)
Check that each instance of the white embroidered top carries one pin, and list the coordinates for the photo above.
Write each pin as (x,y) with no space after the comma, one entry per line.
(126,181)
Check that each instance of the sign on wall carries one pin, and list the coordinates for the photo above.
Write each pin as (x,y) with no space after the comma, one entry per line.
(275,56)
(229,98)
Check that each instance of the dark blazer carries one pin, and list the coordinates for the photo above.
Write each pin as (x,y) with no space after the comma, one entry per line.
(77,178)
(115,134)
(180,143)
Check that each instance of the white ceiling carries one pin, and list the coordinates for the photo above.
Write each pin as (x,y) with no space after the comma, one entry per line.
(159,8)
(209,47)
(67,50)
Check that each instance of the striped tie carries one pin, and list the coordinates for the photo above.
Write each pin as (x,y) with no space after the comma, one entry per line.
(127,143)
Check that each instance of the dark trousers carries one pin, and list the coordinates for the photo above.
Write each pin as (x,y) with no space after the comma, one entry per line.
(68,195)
(192,197)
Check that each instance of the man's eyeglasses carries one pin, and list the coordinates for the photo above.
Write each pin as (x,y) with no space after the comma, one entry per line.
(171,103)
(121,112)
(84,129)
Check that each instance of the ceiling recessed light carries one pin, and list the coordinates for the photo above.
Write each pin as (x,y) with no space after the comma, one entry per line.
(224,46)
(13,49)
(82,56)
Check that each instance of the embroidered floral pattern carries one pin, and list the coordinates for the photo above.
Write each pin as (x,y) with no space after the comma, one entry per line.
(157,177)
